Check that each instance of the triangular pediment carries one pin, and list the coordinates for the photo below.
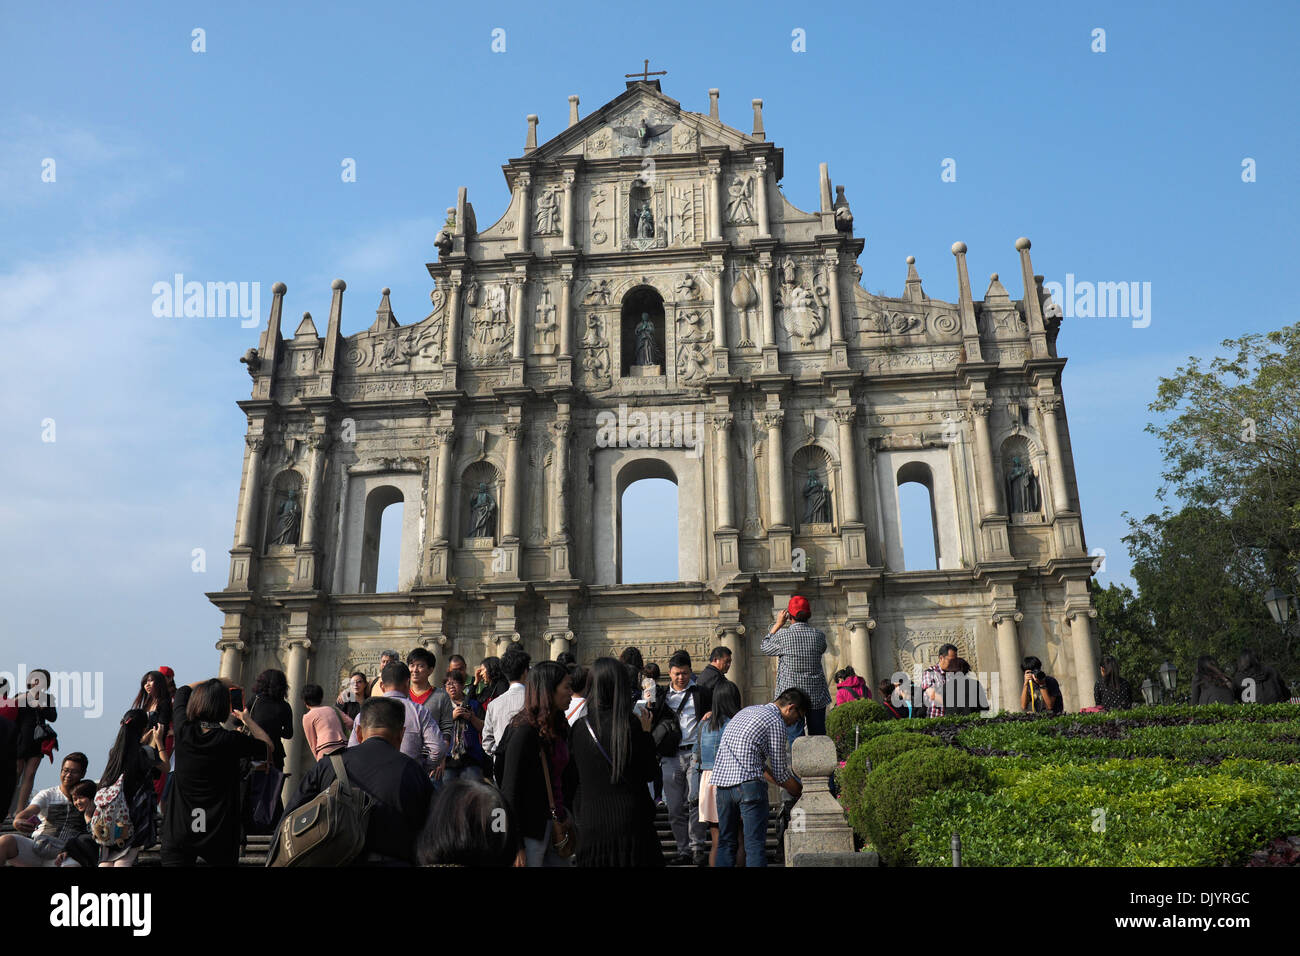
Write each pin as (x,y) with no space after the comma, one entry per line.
(641,121)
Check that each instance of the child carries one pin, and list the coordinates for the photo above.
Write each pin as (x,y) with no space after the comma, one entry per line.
(82,850)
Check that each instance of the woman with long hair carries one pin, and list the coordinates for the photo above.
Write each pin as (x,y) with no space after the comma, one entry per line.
(1112,692)
(489,682)
(270,708)
(532,757)
(615,757)
(1210,685)
(201,820)
(155,699)
(726,704)
(1257,683)
(132,765)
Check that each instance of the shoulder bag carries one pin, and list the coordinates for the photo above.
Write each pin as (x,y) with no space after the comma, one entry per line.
(564,833)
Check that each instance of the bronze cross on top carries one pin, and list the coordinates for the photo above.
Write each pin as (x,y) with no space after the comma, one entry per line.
(645,73)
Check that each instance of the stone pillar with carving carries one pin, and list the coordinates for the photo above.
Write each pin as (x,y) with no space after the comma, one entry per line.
(844,418)
(438,501)
(560,541)
(524,183)
(1009,660)
(566,309)
(451,343)
(1048,408)
(318,442)
(860,648)
(715,200)
(833,286)
(721,357)
(726,535)
(252,492)
(984,474)
(514,476)
(566,214)
(760,171)
(765,296)
(773,420)
(518,285)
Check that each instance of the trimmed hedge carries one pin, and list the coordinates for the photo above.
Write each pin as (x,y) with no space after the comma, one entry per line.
(1142,812)
(891,790)
(841,721)
(852,777)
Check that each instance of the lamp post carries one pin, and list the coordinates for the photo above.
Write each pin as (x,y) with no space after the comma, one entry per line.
(1149,692)
(1278,603)
(1168,680)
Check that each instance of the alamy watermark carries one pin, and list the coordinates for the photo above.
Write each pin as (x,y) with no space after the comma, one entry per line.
(212,300)
(640,429)
(82,690)
(1084,299)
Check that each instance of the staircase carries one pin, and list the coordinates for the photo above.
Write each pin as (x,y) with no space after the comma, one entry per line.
(255,850)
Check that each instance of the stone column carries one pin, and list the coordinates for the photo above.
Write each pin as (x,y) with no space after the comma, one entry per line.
(730,635)
(860,649)
(715,200)
(566,307)
(318,443)
(252,491)
(451,343)
(525,213)
(1085,655)
(510,512)
(848,465)
(1060,494)
(984,474)
(719,307)
(765,292)
(232,654)
(1009,660)
(444,445)
(833,284)
(566,215)
(560,517)
(772,421)
(296,672)
(722,434)
(558,642)
(760,167)
(518,284)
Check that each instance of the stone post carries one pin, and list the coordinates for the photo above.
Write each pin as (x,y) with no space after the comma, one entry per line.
(817,822)
(980,409)
(1033,308)
(525,214)
(1047,407)
(318,442)
(848,464)
(772,421)
(760,167)
(715,200)
(860,649)
(252,491)
(722,433)
(510,512)
(1009,659)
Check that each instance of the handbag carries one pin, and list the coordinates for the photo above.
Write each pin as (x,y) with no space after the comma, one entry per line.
(667,731)
(111,824)
(564,833)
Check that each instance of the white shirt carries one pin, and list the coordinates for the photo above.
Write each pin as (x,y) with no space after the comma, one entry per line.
(577,709)
(688,717)
(499,714)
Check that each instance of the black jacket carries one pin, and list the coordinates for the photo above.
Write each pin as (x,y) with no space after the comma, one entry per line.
(708,679)
(392,778)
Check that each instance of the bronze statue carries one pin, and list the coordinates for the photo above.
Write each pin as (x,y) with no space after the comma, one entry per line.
(646,353)
(287,520)
(1022,489)
(482,513)
(817,496)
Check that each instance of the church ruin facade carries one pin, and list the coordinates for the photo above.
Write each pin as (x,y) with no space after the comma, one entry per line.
(650,305)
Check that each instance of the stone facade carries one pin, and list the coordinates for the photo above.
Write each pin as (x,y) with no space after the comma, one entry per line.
(648,261)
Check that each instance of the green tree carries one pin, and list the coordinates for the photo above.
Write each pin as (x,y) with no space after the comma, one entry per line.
(1126,631)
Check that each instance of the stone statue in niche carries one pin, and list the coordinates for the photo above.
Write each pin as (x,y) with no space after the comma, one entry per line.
(288,520)
(1022,488)
(548,212)
(645,222)
(483,512)
(646,353)
(817,501)
(740,205)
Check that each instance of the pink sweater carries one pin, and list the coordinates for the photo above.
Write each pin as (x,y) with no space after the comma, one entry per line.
(854,688)
(324,729)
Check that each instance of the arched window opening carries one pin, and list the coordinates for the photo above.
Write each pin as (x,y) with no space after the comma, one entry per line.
(647,523)
(381,544)
(918,522)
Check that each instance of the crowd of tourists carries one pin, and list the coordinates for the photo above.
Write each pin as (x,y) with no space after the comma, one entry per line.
(515,763)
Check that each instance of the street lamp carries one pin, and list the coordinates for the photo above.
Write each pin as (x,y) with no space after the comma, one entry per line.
(1168,677)
(1149,692)
(1278,603)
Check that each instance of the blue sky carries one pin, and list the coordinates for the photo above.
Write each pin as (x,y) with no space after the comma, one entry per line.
(225,166)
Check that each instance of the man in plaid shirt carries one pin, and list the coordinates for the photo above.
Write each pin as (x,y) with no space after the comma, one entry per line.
(752,752)
(934,678)
(798,649)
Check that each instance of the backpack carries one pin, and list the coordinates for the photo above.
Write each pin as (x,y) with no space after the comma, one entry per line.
(110,824)
(329,830)
(667,729)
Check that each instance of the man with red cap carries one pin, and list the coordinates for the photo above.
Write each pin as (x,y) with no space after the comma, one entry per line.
(798,649)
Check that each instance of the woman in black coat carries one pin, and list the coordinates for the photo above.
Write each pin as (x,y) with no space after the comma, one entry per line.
(616,758)
(1211,685)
